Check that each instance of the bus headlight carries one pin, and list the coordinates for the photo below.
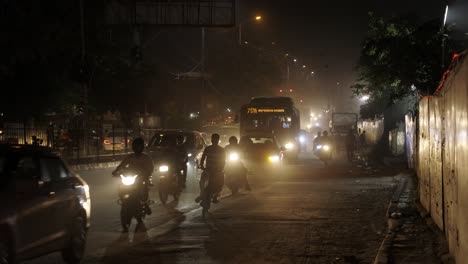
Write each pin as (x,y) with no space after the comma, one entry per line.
(233,156)
(274,158)
(326,147)
(319,146)
(163,168)
(289,146)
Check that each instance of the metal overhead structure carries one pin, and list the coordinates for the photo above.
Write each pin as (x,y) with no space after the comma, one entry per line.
(192,13)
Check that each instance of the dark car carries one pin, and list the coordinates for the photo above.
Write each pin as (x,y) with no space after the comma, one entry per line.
(190,142)
(45,207)
(261,153)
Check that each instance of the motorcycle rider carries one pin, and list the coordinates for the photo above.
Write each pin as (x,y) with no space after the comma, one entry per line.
(215,158)
(178,156)
(138,161)
(317,140)
(233,146)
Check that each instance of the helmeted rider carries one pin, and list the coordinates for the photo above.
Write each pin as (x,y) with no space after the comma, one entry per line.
(177,156)
(317,140)
(140,162)
(215,158)
(233,146)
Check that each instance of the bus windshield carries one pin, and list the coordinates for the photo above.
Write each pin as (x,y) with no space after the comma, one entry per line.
(267,122)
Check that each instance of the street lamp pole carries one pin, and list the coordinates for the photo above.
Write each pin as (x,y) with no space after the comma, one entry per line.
(442,30)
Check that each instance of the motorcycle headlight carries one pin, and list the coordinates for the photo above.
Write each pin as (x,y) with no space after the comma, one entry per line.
(302,139)
(128,179)
(319,147)
(163,168)
(274,158)
(233,156)
(289,146)
(189,155)
(326,147)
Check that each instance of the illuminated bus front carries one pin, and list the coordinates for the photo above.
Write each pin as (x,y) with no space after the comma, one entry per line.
(283,122)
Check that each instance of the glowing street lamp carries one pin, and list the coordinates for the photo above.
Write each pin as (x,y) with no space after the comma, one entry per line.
(258,17)
(295,60)
(365,98)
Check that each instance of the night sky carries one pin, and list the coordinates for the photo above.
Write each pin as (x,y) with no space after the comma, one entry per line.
(327,34)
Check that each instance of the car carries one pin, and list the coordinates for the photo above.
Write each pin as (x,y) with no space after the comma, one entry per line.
(261,153)
(51,208)
(191,142)
(117,141)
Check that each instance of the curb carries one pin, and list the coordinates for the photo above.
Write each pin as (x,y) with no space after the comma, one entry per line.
(384,253)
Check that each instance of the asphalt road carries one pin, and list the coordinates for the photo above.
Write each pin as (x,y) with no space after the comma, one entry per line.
(311,215)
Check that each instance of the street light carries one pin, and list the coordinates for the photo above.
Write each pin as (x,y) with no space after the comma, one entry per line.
(442,31)
(365,98)
(258,18)
(295,60)
(303,66)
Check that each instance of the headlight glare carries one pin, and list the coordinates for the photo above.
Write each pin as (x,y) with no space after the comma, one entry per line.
(289,146)
(274,158)
(233,156)
(163,168)
(128,180)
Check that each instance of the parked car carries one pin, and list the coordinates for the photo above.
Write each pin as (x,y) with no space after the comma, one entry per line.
(191,142)
(117,140)
(45,207)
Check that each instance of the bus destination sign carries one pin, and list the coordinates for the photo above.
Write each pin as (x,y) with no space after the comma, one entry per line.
(254,110)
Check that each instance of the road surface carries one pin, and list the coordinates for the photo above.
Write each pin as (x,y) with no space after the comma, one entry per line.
(311,215)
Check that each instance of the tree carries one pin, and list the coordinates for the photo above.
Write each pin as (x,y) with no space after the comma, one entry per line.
(400,57)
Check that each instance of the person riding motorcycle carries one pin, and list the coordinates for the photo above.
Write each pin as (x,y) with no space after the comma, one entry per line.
(138,161)
(317,140)
(233,146)
(179,158)
(213,170)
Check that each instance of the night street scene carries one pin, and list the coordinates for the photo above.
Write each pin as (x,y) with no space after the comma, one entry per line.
(234,131)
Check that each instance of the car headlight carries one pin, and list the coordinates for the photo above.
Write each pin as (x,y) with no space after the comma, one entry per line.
(289,146)
(274,158)
(128,180)
(326,147)
(319,146)
(302,139)
(233,156)
(189,155)
(163,168)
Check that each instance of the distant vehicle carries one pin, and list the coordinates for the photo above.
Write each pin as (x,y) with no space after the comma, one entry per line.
(45,207)
(262,153)
(117,141)
(276,115)
(191,142)
(342,123)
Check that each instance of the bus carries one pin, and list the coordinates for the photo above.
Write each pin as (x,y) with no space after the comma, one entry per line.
(276,115)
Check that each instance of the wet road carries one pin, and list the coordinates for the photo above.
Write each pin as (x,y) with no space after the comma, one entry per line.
(311,215)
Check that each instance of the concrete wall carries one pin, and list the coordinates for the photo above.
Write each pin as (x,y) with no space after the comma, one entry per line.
(410,140)
(374,130)
(442,162)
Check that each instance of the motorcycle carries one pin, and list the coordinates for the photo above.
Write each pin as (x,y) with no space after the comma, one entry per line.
(235,173)
(132,197)
(169,181)
(324,152)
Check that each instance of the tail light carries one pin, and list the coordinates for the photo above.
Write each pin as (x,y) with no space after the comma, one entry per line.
(106,142)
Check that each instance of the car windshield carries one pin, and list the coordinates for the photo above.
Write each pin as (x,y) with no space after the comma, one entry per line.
(164,139)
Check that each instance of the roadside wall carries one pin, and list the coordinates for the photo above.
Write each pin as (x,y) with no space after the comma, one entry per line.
(374,130)
(410,140)
(442,160)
